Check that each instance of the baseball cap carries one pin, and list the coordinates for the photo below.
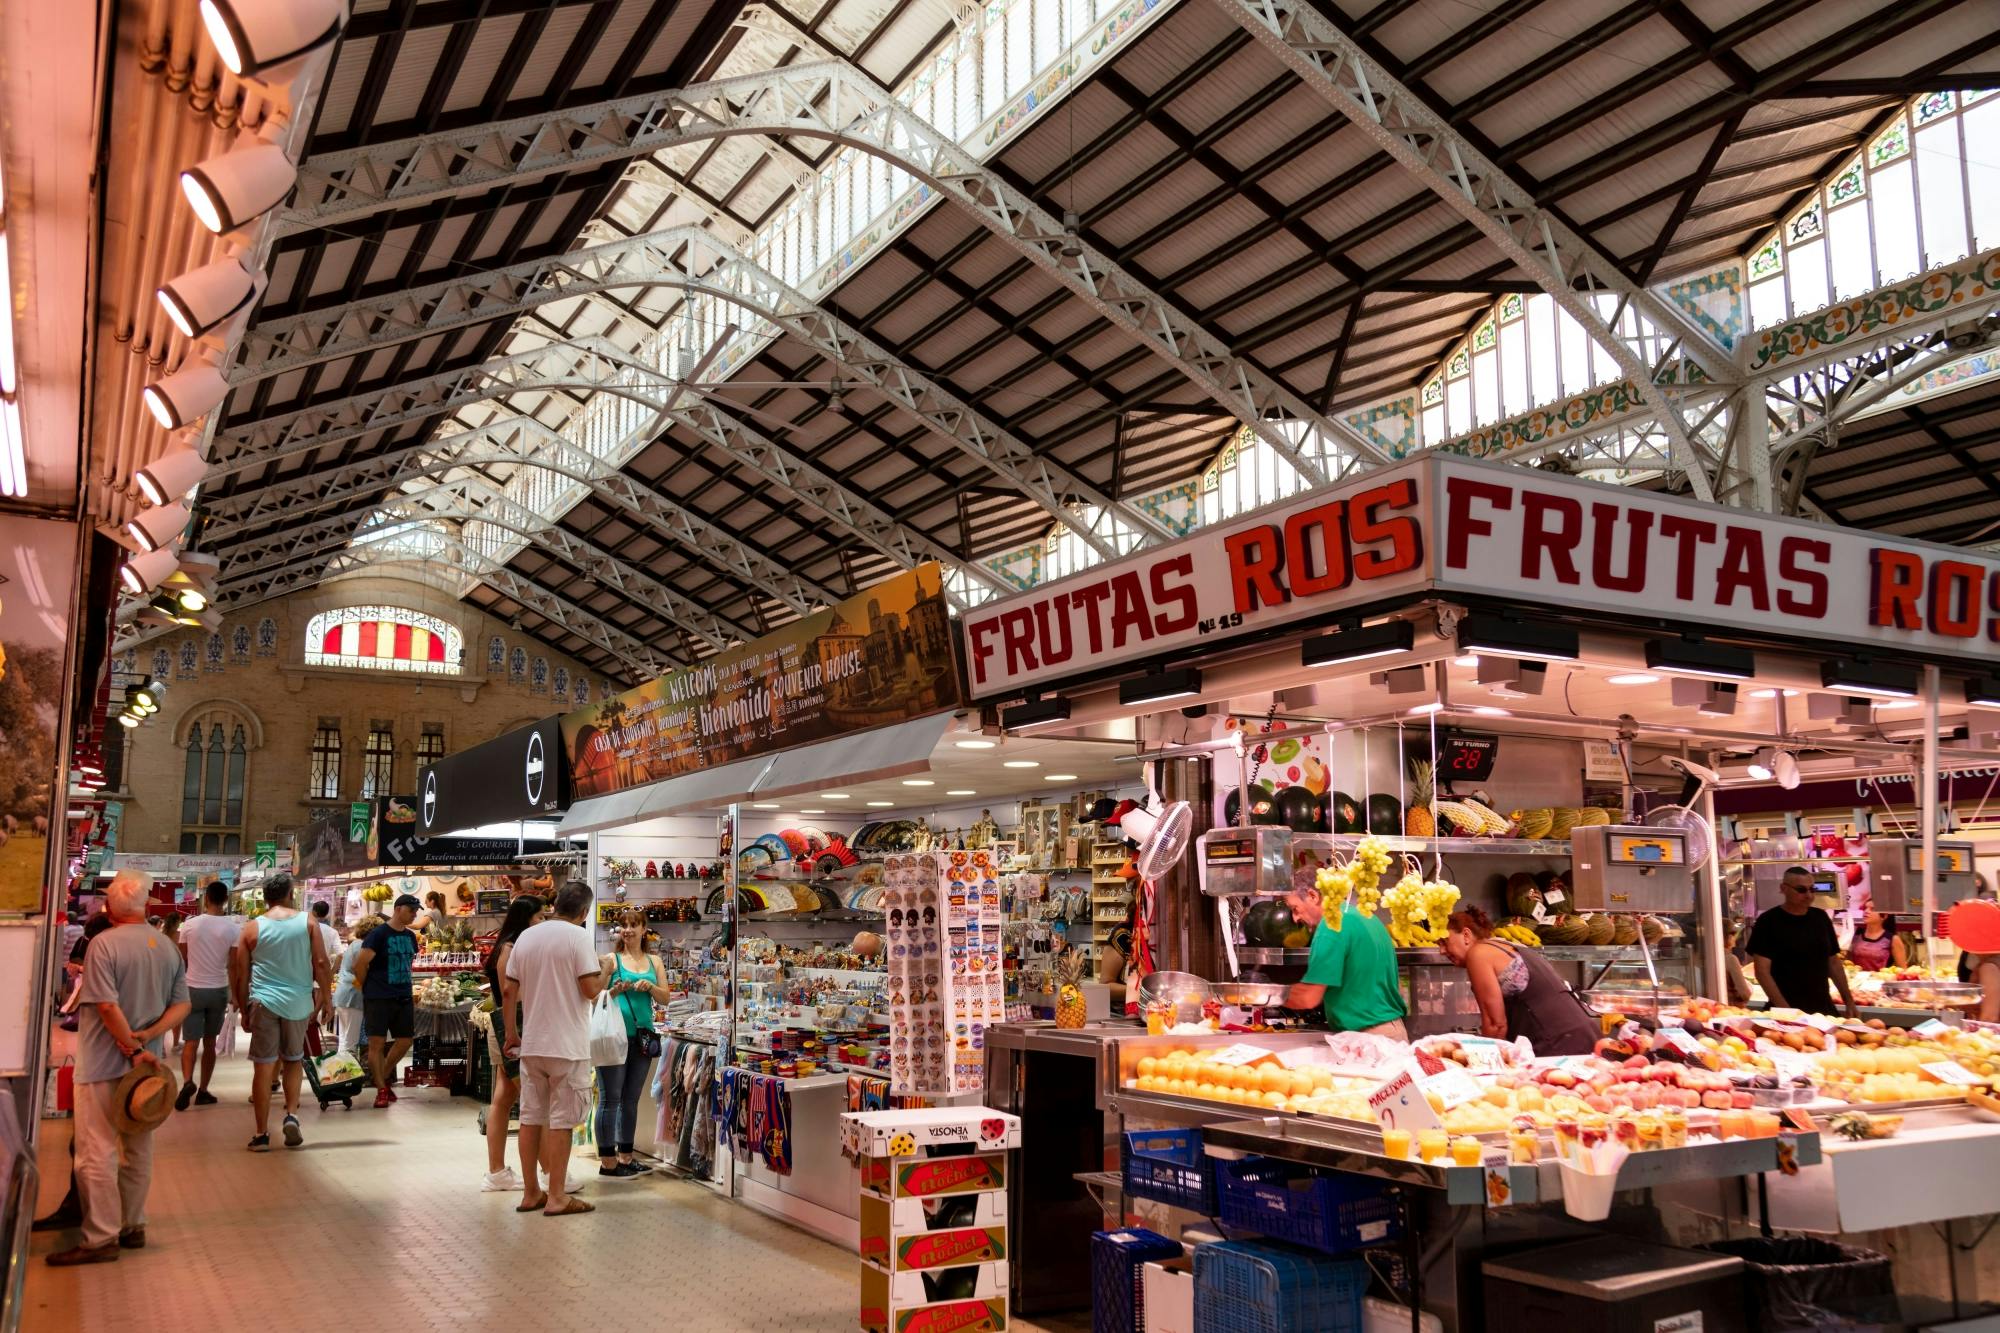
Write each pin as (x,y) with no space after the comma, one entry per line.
(409,900)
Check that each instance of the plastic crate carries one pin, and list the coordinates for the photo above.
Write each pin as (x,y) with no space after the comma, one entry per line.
(1117,1266)
(1248,1286)
(1287,1201)
(1169,1166)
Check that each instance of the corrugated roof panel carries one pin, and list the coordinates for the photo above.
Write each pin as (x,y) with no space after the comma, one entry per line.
(489,48)
(617,35)
(416,65)
(549,51)
(343,86)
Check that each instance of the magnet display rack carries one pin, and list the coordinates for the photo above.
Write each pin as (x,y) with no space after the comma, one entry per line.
(1110,896)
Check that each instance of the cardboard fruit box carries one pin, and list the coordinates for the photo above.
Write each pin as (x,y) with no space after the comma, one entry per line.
(969,1298)
(914,1133)
(928,1177)
(938,1232)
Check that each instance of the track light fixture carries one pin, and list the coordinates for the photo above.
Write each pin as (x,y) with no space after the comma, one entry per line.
(1697,657)
(1358,642)
(157,527)
(1174,683)
(191,392)
(1860,676)
(171,475)
(252,36)
(1500,636)
(1035,713)
(208,297)
(143,573)
(233,188)
(1983,692)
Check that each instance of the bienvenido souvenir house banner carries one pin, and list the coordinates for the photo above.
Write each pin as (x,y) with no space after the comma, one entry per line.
(880,657)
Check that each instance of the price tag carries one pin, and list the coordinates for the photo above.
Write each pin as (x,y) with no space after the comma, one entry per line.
(1554,899)
(1678,1040)
(1930,1027)
(1454,1085)
(1241,1054)
(1482,1052)
(1822,1022)
(1399,1104)
(1953,1073)
(1788,1064)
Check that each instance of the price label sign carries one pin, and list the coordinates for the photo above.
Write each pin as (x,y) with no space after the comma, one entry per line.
(1482,1052)
(1953,1073)
(1241,1054)
(1930,1027)
(1400,1104)
(1677,1039)
(1454,1085)
(1821,1021)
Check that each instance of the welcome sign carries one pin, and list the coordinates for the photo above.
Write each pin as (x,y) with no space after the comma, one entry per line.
(880,657)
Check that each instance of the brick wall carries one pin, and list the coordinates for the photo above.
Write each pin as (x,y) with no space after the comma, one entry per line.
(259,681)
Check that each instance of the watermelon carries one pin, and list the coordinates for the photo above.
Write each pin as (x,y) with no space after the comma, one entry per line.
(1263,810)
(1348,816)
(1298,809)
(1267,923)
(1385,814)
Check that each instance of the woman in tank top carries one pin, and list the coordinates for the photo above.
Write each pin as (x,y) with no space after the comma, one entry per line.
(1519,993)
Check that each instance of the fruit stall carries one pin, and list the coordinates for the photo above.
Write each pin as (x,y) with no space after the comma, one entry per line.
(1453,686)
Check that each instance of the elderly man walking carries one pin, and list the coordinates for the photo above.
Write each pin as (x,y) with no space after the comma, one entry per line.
(279,977)
(134,991)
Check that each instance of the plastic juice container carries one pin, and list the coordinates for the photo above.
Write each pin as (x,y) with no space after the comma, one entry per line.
(1763,1124)
(1396,1144)
(1566,1132)
(1649,1132)
(1733,1124)
(1432,1144)
(1465,1151)
(1523,1144)
(1674,1129)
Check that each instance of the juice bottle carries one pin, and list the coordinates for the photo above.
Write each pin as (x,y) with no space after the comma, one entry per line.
(1432,1144)
(1396,1144)
(1465,1151)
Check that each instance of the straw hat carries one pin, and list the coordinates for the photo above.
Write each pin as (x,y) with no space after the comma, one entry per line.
(144,1098)
(1975,925)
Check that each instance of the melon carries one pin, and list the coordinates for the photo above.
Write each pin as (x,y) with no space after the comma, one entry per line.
(1565,929)
(1298,809)
(1523,894)
(1348,816)
(1267,923)
(1385,814)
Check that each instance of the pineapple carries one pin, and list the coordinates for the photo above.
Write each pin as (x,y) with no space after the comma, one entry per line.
(1069,1007)
(1418,821)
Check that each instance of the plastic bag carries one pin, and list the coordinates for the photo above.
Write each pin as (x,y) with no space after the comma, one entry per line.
(607,1032)
(1797,1282)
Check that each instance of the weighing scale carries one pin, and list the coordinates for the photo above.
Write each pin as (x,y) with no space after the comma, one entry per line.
(1896,873)
(1633,869)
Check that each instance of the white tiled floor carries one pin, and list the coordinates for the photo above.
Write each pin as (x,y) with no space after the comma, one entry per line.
(378,1222)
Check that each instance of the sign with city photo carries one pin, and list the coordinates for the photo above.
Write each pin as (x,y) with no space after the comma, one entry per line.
(38,562)
(882,656)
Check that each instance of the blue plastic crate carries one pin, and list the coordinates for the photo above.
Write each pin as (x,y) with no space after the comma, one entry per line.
(1169,1166)
(1118,1261)
(1287,1201)
(1250,1286)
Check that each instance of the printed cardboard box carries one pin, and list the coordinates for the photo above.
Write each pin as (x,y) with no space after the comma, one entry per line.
(926,1177)
(907,1133)
(938,1232)
(970,1298)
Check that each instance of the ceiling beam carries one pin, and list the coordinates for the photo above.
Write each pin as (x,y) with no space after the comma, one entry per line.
(830,100)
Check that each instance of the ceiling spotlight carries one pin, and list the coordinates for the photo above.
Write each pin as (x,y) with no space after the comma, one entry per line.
(1048,712)
(252,36)
(1842,709)
(1498,636)
(1355,643)
(975,745)
(961,791)
(1022,763)
(1763,764)
(154,686)
(191,392)
(1072,243)
(1785,765)
(918,782)
(881,805)
(129,719)
(157,527)
(239,186)
(143,573)
(1865,677)
(1060,777)
(1178,683)
(835,398)
(1632,678)
(171,475)
(1432,707)
(1402,680)
(1696,657)
(1516,676)
(208,297)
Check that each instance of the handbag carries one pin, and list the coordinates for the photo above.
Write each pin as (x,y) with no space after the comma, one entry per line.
(607,1032)
(649,1043)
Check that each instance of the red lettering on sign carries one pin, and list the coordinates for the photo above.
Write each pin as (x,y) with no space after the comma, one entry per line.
(1954,599)
(1177,593)
(1993,605)
(1687,534)
(1404,538)
(1896,581)
(1807,596)
(1255,557)
(1053,627)
(980,632)
(1742,568)
(1604,537)
(1324,523)
(1459,524)
(1017,629)
(1128,609)
(1088,599)
(1552,525)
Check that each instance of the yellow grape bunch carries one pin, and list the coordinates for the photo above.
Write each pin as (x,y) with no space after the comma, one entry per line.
(1418,909)
(1361,878)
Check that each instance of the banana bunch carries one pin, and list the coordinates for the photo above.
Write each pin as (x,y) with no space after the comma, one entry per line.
(1516,934)
(1469,819)
(377,893)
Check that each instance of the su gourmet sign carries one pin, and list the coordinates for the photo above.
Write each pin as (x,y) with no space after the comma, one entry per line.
(1457,527)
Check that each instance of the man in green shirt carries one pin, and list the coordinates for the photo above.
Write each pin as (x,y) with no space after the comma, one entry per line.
(1352,973)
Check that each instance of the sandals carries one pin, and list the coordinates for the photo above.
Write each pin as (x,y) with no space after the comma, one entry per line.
(532,1207)
(572,1207)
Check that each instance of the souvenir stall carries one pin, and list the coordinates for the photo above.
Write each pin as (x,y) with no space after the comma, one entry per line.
(1454,686)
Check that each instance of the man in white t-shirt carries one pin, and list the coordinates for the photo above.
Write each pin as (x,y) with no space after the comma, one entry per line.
(553,972)
(329,938)
(206,942)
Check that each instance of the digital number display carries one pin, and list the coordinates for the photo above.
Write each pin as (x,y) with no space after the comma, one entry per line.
(1466,757)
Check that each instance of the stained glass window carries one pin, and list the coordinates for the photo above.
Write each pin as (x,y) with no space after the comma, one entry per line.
(382,638)
(1891,144)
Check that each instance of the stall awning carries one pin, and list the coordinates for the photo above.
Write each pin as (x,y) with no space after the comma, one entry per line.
(885,752)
